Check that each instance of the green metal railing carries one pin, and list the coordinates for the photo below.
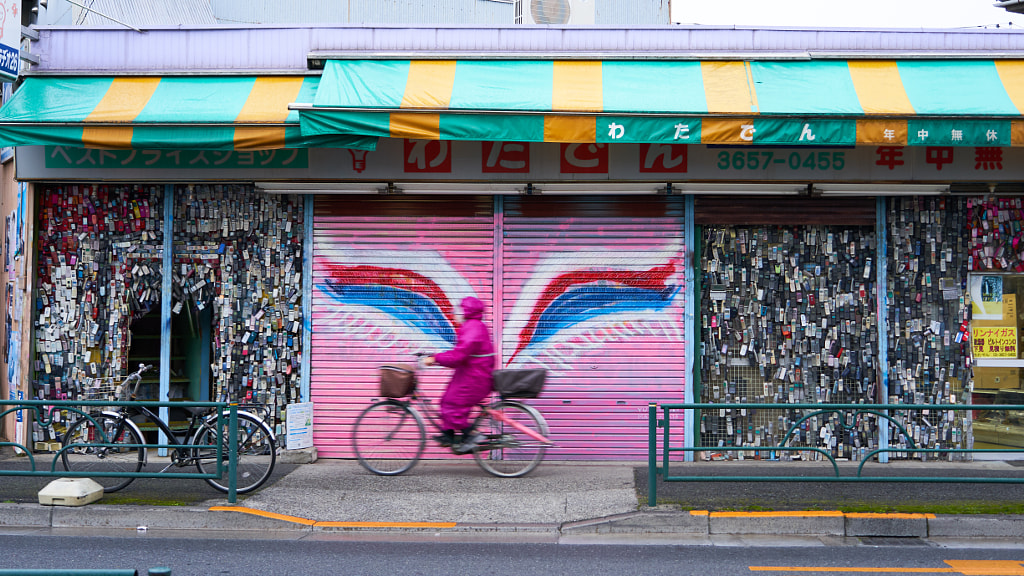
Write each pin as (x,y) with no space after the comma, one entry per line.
(880,411)
(160,571)
(43,412)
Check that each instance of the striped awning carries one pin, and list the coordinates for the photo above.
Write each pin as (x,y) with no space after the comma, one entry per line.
(813,102)
(202,113)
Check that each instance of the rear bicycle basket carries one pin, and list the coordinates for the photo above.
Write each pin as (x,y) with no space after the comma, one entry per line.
(519,383)
(397,380)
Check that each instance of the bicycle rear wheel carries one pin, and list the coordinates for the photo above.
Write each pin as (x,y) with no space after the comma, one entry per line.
(389,437)
(257,452)
(508,451)
(116,456)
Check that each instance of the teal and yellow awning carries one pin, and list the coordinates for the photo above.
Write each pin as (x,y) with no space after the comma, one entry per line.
(204,113)
(814,102)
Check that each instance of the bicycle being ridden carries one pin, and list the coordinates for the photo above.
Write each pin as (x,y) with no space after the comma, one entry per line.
(111,441)
(511,437)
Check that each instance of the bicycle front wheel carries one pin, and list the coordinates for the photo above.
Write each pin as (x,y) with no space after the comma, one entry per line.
(508,450)
(103,443)
(389,438)
(257,452)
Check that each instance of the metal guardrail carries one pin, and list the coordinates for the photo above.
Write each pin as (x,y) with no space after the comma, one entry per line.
(881,411)
(43,413)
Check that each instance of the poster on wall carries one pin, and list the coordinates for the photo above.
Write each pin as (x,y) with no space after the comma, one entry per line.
(10,39)
(987,297)
(994,342)
(299,421)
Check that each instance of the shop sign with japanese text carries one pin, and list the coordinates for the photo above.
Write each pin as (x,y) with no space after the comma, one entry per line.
(994,342)
(65,157)
(10,39)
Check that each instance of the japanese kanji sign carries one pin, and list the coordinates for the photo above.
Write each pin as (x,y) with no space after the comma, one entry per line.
(995,342)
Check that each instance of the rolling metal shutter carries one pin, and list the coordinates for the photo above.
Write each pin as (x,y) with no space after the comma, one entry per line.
(593,290)
(783,211)
(387,273)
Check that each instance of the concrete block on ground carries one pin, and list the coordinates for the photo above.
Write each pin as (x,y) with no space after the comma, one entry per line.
(298,456)
(893,525)
(776,523)
(647,522)
(32,515)
(976,526)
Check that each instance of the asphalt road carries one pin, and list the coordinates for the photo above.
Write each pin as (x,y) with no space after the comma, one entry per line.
(205,554)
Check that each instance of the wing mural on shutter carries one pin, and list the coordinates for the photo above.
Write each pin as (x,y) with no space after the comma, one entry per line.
(593,291)
(387,275)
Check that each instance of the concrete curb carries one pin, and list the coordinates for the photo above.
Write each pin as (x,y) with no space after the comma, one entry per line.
(665,522)
(979,526)
(892,525)
(25,515)
(777,523)
(656,522)
(163,517)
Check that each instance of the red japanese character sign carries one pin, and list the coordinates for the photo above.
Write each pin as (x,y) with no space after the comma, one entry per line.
(428,156)
(584,159)
(505,158)
(662,158)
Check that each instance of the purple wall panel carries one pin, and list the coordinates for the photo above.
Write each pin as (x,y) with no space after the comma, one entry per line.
(282,48)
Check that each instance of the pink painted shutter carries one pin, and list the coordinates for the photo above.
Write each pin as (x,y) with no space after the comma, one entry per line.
(593,290)
(386,274)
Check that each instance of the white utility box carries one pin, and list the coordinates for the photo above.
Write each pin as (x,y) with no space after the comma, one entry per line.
(70,492)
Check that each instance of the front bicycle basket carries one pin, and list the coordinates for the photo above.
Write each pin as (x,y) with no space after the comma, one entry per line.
(397,380)
(519,383)
(102,389)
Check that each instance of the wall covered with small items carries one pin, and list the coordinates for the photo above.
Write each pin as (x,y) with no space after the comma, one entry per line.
(996,289)
(236,292)
(787,316)
(928,316)
(98,267)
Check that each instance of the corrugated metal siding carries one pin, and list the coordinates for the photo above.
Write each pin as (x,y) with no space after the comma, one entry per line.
(358,324)
(618,13)
(143,13)
(280,48)
(610,350)
(354,12)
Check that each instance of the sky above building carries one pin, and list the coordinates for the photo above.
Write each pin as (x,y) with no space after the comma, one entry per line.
(840,14)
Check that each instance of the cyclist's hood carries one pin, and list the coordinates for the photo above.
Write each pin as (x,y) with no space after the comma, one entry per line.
(472,308)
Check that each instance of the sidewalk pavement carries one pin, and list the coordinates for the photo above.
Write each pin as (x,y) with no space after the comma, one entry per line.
(558,502)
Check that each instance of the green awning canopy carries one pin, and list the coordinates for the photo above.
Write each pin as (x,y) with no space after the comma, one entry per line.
(815,102)
(202,113)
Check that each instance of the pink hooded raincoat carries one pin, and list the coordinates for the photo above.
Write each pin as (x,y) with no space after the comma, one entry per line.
(473,361)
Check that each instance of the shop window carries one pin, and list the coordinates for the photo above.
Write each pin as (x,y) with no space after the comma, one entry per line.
(996,326)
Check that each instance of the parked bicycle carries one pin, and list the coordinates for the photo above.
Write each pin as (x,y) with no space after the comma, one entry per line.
(390,435)
(111,441)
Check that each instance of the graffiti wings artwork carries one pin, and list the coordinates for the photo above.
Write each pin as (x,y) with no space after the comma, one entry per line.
(564,296)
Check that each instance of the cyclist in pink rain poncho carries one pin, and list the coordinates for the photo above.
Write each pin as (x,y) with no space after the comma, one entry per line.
(473,361)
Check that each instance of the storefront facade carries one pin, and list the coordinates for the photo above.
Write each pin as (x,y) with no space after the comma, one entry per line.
(817,238)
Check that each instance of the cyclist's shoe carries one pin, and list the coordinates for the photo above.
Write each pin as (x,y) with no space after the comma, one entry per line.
(446,439)
(468,444)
